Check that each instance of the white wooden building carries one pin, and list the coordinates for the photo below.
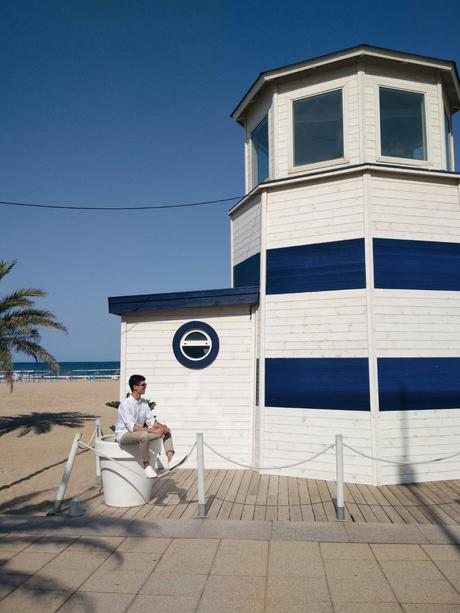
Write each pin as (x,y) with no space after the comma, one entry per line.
(344,310)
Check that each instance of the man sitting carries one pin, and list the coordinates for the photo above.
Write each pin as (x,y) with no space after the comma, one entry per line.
(137,425)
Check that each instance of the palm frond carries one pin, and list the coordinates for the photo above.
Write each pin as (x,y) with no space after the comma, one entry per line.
(5,267)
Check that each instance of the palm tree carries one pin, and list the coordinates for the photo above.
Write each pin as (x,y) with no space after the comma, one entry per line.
(19,324)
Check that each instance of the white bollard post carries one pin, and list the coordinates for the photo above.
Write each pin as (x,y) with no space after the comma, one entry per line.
(98,459)
(200,475)
(66,474)
(340,505)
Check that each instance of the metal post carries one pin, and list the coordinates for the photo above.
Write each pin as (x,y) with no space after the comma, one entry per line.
(98,459)
(66,475)
(340,505)
(200,475)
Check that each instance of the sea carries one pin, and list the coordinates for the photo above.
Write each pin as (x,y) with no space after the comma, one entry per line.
(67,370)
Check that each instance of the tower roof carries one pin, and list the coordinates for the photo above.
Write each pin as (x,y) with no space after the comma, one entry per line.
(447,69)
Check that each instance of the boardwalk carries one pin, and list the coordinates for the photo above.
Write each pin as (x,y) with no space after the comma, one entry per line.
(246,495)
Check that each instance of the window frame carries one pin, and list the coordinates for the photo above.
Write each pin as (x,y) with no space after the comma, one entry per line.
(394,159)
(310,93)
(254,160)
(195,326)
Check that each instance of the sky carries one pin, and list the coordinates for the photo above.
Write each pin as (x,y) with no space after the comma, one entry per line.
(127,103)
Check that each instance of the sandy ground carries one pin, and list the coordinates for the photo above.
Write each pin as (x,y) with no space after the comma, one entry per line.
(38,421)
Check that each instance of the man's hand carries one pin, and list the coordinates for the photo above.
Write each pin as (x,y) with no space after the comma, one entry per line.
(157,430)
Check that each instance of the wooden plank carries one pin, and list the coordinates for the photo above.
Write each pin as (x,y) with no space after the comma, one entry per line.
(368,513)
(251,497)
(354,512)
(295,512)
(358,498)
(221,493)
(182,483)
(213,479)
(190,486)
(313,491)
(238,505)
(283,499)
(394,516)
(380,514)
(227,504)
(378,494)
(318,511)
(305,501)
(367,495)
(261,501)
(271,510)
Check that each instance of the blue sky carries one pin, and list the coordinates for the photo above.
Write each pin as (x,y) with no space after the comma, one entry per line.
(125,103)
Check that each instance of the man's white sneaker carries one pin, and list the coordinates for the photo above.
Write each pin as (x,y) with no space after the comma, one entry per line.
(149,472)
(176,462)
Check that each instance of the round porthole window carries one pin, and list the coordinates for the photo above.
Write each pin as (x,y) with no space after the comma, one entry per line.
(196,344)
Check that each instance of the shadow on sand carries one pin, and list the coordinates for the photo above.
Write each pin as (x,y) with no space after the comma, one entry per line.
(42,422)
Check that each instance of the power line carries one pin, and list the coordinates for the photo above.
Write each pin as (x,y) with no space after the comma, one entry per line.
(119,208)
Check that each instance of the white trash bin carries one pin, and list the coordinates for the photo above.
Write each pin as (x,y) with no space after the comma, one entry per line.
(124,483)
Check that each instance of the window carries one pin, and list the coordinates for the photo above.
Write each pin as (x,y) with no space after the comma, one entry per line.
(402,124)
(195,344)
(318,128)
(259,140)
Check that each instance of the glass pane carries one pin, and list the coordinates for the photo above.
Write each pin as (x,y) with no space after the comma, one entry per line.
(318,128)
(259,138)
(195,336)
(402,124)
(195,352)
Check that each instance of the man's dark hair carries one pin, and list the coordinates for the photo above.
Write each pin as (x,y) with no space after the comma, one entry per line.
(135,380)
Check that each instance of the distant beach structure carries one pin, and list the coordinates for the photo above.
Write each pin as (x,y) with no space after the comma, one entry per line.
(30,371)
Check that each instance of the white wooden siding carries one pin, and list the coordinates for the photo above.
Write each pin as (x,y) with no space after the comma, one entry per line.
(246,231)
(415,208)
(316,324)
(294,434)
(415,323)
(315,213)
(419,436)
(216,400)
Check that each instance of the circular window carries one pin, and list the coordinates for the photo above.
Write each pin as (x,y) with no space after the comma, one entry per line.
(196,344)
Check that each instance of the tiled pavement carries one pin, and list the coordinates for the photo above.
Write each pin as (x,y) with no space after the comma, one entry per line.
(206,566)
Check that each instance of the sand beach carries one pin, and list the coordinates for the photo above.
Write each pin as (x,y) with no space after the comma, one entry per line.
(38,421)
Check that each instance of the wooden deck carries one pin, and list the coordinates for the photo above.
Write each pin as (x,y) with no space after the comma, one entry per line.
(246,495)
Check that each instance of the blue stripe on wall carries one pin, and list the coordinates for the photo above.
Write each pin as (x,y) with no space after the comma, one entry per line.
(315,268)
(418,383)
(247,272)
(317,383)
(426,265)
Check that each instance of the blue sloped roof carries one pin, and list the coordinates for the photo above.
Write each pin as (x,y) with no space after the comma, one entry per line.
(179,300)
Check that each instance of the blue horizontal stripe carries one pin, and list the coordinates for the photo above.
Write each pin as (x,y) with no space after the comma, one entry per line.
(317,383)
(315,268)
(247,273)
(424,265)
(418,383)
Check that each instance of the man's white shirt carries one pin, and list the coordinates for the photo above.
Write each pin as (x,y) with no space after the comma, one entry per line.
(132,412)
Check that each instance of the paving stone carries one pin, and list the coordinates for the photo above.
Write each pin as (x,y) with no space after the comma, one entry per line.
(441,534)
(232,529)
(228,588)
(50,544)
(162,604)
(367,607)
(431,608)
(27,562)
(292,593)
(211,604)
(451,570)
(174,585)
(313,531)
(83,602)
(357,581)
(188,556)
(143,544)
(443,552)
(10,581)
(96,543)
(399,552)
(15,542)
(36,601)
(346,551)
(418,591)
(121,574)
(241,558)
(68,579)
(174,528)
(384,533)
(79,559)
(291,558)
(410,569)
(6,555)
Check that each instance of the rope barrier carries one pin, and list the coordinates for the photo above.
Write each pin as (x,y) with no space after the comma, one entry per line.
(256,467)
(370,457)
